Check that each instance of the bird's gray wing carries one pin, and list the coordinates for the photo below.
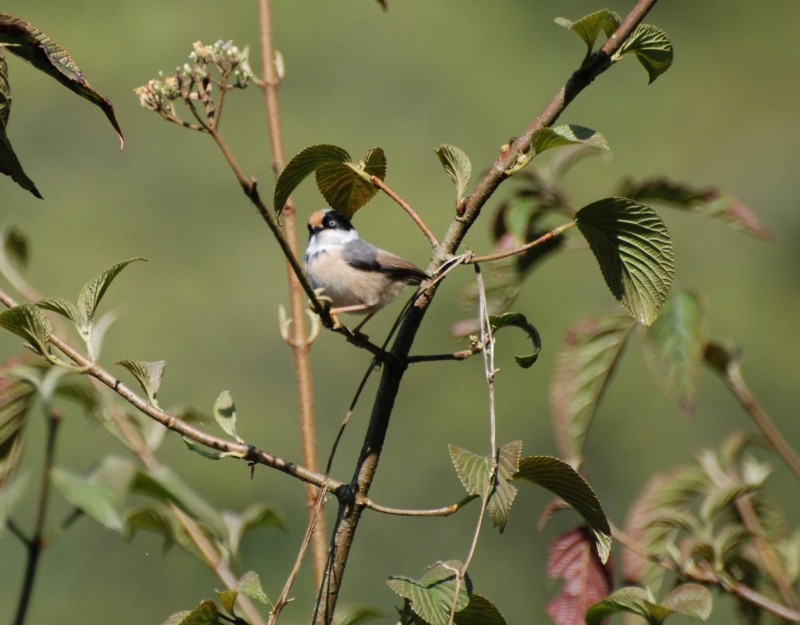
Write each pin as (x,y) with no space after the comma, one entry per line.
(362,255)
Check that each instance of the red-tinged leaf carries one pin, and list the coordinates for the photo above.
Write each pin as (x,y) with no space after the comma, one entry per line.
(30,43)
(586,579)
(16,398)
(584,366)
(708,202)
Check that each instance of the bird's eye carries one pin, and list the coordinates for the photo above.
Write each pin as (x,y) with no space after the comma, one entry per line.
(331,223)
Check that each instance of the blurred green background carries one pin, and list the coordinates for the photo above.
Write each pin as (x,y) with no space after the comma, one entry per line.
(468,73)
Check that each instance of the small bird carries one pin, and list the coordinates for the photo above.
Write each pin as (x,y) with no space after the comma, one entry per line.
(355,275)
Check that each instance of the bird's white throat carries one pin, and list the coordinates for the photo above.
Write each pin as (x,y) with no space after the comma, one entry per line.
(324,240)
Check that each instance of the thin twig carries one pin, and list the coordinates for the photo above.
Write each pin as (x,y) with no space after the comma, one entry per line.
(487,340)
(36,542)
(443,511)
(378,182)
(547,236)
(463,354)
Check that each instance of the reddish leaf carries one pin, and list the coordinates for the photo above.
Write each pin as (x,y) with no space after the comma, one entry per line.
(586,579)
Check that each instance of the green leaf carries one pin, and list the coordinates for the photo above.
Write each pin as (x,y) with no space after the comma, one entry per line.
(634,251)
(504,492)
(346,186)
(177,618)
(479,611)
(458,166)
(225,414)
(30,323)
(14,245)
(254,516)
(301,165)
(433,595)
(228,599)
(590,26)
(16,398)
(356,615)
(562,480)
(651,46)
(28,42)
(9,163)
(689,599)
(708,202)
(205,613)
(93,291)
(472,470)
(585,364)
(569,134)
(250,584)
(518,320)
(674,346)
(206,452)
(62,306)
(164,485)
(100,501)
(147,374)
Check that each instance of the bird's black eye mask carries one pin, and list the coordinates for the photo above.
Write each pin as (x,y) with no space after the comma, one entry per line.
(336,220)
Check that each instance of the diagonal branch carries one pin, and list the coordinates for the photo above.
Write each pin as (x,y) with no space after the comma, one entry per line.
(350,512)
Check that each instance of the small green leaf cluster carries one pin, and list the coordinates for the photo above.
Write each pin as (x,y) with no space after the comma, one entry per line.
(714,519)
(208,613)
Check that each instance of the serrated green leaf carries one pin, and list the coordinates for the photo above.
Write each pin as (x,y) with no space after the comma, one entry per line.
(433,595)
(28,42)
(100,501)
(674,346)
(569,134)
(518,320)
(504,492)
(62,306)
(590,26)
(225,414)
(346,186)
(147,374)
(250,584)
(177,618)
(651,46)
(30,323)
(707,202)
(634,250)
(301,165)
(562,480)
(458,166)
(93,291)
(479,611)
(585,364)
(472,470)
(689,599)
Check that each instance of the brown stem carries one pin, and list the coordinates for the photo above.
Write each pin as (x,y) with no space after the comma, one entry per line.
(299,344)
(407,208)
(547,236)
(36,542)
(392,375)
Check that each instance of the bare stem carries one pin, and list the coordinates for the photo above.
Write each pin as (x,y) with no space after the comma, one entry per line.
(300,344)
(407,208)
(547,236)
(36,542)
